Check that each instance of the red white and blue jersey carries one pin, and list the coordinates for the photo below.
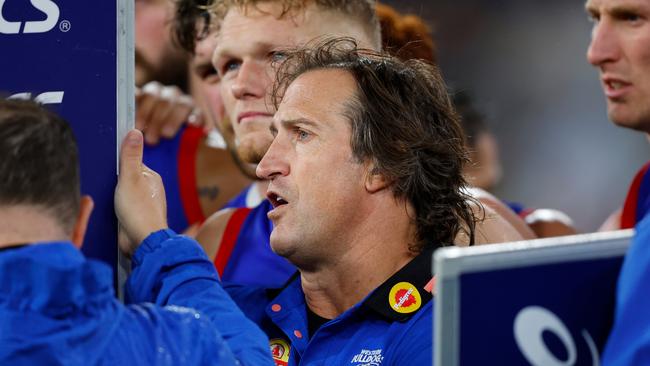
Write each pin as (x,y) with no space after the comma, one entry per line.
(245,256)
(637,202)
(175,160)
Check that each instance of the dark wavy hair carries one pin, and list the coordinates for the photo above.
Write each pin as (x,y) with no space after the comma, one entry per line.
(192,22)
(403,121)
(39,161)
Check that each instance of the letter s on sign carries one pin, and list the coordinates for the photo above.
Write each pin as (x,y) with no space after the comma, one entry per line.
(40,26)
(529,325)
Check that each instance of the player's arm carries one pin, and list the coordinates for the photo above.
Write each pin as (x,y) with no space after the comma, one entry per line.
(613,222)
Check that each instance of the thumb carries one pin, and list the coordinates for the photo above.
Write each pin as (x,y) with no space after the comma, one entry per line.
(131,153)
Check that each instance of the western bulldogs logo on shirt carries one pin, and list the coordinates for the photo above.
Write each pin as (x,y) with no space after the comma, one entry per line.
(367,358)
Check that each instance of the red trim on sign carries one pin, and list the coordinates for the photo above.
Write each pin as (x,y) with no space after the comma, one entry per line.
(187,152)
(628,216)
(229,238)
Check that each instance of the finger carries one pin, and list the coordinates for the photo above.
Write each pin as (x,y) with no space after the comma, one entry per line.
(146,104)
(165,105)
(196,117)
(131,153)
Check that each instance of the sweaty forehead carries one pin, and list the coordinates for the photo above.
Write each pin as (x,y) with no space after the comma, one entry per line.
(318,95)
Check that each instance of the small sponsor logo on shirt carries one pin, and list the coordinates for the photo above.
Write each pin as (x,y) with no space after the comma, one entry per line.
(280,351)
(404,298)
(367,357)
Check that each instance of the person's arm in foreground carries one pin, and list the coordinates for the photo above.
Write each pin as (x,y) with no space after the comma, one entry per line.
(169,269)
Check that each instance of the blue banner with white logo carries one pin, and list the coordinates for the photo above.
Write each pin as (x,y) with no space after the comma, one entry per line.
(63,54)
(551,314)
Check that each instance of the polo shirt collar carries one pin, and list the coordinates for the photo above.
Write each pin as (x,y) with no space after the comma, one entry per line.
(403,294)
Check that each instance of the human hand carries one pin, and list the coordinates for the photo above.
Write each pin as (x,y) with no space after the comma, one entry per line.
(161,111)
(140,203)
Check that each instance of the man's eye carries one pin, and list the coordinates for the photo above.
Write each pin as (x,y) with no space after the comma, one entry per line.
(302,135)
(277,56)
(229,66)
(208,74)
(628,16)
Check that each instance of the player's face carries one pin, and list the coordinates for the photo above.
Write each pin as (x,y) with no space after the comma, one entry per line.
(247,43)
(156,56)
(620,49)
(316,185)
(205,81)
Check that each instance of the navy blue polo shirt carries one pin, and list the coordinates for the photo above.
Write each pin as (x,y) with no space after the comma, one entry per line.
(393,325)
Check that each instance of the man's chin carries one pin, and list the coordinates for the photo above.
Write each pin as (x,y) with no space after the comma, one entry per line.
(626,119)
(279,247)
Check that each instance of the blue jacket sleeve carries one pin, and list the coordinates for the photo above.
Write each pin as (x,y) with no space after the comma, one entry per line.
(151,335)
(170,269)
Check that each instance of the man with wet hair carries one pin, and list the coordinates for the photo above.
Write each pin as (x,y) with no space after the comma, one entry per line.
(365,179)
(58,307)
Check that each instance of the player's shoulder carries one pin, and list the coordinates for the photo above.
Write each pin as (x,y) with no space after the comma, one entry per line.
(212,231)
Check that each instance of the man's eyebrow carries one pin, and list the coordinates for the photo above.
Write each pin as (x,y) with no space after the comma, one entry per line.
(289,123)
(297,121)
(624,10)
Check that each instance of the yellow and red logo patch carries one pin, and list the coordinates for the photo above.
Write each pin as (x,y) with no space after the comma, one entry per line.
(280,351)
(404,298)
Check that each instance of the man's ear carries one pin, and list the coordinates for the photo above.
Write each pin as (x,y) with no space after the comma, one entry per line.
(86,206)
(375,181)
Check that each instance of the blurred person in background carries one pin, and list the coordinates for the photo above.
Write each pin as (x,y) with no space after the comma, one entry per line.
(484,172)
(408,36)
(620,50)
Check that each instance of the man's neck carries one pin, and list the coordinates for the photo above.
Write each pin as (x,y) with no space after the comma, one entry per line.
(28,224)
(376,252)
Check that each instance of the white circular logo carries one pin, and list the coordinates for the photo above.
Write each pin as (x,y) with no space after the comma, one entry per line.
(529,325)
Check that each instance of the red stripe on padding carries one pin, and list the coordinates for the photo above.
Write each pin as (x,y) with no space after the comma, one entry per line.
(229,238)
(189,146)
(628,216)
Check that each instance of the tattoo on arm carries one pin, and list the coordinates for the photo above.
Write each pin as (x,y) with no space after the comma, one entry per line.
(210,192)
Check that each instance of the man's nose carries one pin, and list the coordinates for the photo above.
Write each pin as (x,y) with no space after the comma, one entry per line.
(275,162)
(604,46)
(250,81)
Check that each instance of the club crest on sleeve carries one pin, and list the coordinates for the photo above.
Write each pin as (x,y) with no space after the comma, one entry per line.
(404,298)
(280,351)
